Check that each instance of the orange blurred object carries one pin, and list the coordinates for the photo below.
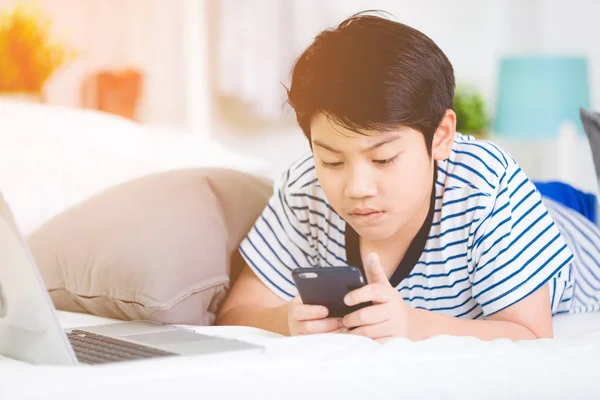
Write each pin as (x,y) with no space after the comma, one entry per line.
(113,92)
(28,54)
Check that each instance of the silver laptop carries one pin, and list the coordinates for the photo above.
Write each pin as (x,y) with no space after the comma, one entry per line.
(30,331)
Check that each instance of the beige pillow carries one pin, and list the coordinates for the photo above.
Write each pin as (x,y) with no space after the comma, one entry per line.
(156,248)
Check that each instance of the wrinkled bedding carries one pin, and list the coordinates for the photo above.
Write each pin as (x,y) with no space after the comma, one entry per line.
(334,366)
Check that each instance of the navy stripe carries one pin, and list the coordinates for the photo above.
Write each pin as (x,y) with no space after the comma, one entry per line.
(458,228)
(494,244)
(514,175)
(578,299)
(316,180)
(518,187)
(505,164)
(552,298)
(544,281)
(454,257)
(278,241)
(477,242)
(477,158)
(495,200)
(310,260)
(292,225)
(330,252)
(517,222)
(452,307)
(268,262)
(434,287)
(479,269)
(590,270)
(326,234)
(571,221)
(518,270)
(306,221)
(441,297)
(446,246)
(315,199)
(458,178)
(523,199)
(473,171)
(308,157)
(283,203)
(312,167)
(492,214)
(413,274)
(447,203)
(262,273)
(581,278)
(313,212)
(533,207)
(501,153)
(565,300)
(467,312)
(458,214)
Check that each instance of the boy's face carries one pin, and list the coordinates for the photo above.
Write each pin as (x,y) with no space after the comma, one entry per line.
(378,182)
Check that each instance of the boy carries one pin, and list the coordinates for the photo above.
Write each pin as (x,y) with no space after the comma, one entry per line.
(453,237)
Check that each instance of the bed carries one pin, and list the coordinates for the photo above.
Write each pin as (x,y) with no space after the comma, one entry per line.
(45,152)
(334,366)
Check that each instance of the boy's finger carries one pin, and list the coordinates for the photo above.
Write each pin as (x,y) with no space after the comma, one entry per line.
(320,326)
(367,316)
(303,312)
(374,270)
(377,293)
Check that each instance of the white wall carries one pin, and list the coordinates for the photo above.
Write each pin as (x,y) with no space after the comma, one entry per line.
(151,35)
(573,27)
(166,41)
(475,33)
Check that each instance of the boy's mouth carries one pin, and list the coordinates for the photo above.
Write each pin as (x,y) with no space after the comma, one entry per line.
(363,211)
(365,214)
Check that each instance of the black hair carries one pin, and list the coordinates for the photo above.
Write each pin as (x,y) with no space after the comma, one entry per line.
(371,73)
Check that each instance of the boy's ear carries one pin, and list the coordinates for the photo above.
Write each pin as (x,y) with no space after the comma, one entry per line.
(443,137)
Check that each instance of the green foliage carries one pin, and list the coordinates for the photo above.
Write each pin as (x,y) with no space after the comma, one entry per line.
(471,116)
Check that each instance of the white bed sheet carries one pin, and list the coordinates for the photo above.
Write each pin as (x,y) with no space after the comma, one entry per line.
(335,366)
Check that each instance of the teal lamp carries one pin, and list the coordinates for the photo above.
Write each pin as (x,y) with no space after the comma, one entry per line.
(537,94)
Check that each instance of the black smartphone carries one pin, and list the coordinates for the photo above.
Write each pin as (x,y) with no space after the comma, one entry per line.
(328,286)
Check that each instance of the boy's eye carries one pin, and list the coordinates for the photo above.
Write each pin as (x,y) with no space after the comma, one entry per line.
(330,165)
(386,161)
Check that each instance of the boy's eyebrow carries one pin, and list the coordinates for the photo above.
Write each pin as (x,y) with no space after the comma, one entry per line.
(373,147)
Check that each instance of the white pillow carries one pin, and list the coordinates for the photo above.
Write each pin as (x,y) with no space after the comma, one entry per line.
(54,157)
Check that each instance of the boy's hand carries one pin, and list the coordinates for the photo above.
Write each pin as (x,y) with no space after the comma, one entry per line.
(389,316)
(306,319)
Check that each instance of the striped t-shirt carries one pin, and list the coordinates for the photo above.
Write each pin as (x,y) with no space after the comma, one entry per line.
(492,239)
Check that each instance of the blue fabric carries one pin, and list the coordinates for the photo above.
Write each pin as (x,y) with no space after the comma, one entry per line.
(583,203)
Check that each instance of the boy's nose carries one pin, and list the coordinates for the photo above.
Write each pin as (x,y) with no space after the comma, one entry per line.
(359,184)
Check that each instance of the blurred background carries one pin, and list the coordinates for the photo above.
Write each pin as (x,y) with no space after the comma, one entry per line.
(216,68)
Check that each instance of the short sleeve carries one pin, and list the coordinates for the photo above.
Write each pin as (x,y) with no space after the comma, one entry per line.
(517,248)
(279,242)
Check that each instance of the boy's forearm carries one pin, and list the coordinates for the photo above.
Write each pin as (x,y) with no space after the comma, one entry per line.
(274,319)
(438,324)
